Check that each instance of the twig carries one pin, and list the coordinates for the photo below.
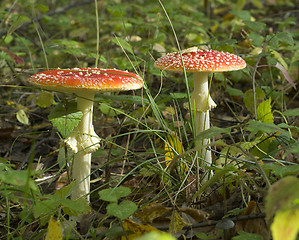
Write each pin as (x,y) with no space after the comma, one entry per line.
(214,222)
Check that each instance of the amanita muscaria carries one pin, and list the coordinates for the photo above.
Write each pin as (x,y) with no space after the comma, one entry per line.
(201,63)
(85,82)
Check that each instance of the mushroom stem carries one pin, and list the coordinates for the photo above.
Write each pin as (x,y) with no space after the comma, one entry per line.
(83,141)
(202,103)
(81,174)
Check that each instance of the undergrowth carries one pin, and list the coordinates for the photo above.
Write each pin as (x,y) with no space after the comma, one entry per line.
(147,161)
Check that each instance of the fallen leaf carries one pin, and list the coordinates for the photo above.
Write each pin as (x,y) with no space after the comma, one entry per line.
(150,212)
(135,230)
(257,226)
(22,117)
(176,222)
(156,236)
(196,214)
(54,231)
(62,181)
(173,146)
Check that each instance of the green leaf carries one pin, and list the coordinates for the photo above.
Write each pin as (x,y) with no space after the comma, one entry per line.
(66,43)
(282,171)
(245,236)
(122,98)
(22,117)
(17,178)
(256,38)
(61,155)
(45,99)
(240,4)
(242,14)
(65,119)
(257,3)
(284,125)
(20,21)
(255,26)
(264,112)
(291,112)
(282,195)
(107,110)
(256,126)
(285,37)
(294,148)
(249,101)
(204,236)
(234,91)
(65,191)
(44,207)
(123,210)
(42,7)
(123,44)
(213,131)
(75,207)
(178,95)
(114,194)
(283,66)
(218,174)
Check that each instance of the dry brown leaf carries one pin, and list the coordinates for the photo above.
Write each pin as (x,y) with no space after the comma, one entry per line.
(196,214)
(257,226)
(62,181)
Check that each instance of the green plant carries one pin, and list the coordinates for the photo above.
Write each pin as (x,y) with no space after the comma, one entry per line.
(148,138)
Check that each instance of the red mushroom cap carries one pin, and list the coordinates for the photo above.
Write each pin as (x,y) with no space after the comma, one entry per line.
(93,79)
(199,60)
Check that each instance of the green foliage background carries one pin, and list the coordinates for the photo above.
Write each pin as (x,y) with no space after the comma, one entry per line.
(255,123)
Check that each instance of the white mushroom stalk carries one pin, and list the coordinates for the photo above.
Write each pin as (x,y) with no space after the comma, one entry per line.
(85,82)
(83,136)
(201,104)
(83,141)
(201,63)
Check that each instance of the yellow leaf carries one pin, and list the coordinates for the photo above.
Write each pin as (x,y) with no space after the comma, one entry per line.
(54,231)
(256,51)
(214,27)
(173,146)
(152,211)
(22,117)
(170,110)
(176,223)
(45,99)
(156,236)
(136,229)
(10,103)
(285,225)
(264,112)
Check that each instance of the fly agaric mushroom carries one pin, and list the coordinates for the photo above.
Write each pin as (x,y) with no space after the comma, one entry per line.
(201,63)
(85,82)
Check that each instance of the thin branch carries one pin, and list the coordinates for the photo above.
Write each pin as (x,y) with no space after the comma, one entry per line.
(214,222)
